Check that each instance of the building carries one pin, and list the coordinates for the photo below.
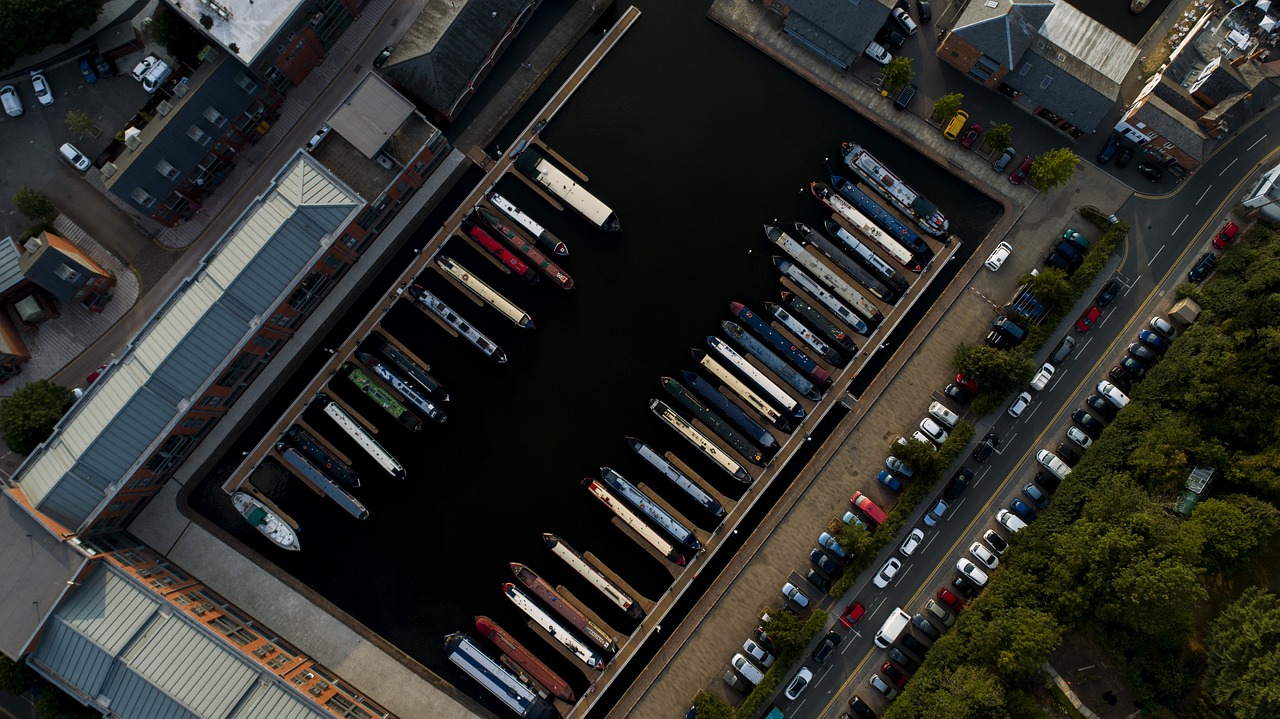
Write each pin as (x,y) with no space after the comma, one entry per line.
(1052,60)
(66,272)
(200,121)
(450,49)
(836,31)
(1265,195)
(281,41)
(1206,88)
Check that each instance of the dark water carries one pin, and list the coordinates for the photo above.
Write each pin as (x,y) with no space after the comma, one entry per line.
(695,139)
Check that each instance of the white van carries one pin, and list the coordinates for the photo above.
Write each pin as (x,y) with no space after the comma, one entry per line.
(156,76)
(748,670)
(1051,462)
(12,103)
(939,411)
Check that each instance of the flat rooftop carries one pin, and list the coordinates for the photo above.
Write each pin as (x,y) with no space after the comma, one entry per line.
(245,23)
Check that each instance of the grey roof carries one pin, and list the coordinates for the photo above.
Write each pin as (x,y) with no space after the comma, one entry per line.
(1093,52)
(116,644)
(132,407)
(44,265)
(1065,95)
(370,115)
(836,30)
(448,46)
(10,271)
(35,567)
(1001,29)
(1174,127)
(1177,98)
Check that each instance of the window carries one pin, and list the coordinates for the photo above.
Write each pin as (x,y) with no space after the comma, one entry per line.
(193,424)
(164,168)
(233,630)
(142,197)
(1026,67)
(279,660)
(66,274)
(238,369)
(129,558)
(212,115)
(247,84)
(344,707)
(164,581)
(1045,82)
(212,400)
(170,453)
(198,135)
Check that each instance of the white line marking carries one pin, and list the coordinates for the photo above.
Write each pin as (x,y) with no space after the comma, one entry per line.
(1033,410)
(1086,342)
(1056,381)
(1206,191)
(903,573)
(1104,320)
(957,507)
(1228,167)
(1157,254)
(1260,139)
(1175,230)
(984,472)
(1009,439)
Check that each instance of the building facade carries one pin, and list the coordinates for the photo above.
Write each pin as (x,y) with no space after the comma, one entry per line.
(66,271)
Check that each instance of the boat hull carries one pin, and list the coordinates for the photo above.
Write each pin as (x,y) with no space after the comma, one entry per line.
(806,335)
(828,300)
(878,214)
(437,307)
(699,441)
(645,504)
(493,247)
(310,446)
(829,329)
(789,352)
(889,186)
(570,613)
(540,234)
(593,575)
(758,434)
(753,399)
(860,274)
(631,519)
(524,659)
(884,240)
(712,420)
(532,255)
(776,393)
(268,523)
(766,356)
(678,478)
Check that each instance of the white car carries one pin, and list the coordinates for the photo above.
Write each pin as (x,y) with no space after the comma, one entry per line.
(757,652)
(920,437)
(998,256)
(1051,462)
(898,466)
(970,570)
(798,684)
(1113,394)
(1077,435)
(1010,521)
(1163,328)
(792,592)
(317,138)
(984,555)
(74,157)
(1042,377)
(144,66)
(887,573)
(939,411)
(1020,404)
(876,52)
(156,76)
(41,86)
(912,541)
(933,430)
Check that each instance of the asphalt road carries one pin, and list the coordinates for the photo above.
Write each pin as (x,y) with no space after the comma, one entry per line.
(1168,234)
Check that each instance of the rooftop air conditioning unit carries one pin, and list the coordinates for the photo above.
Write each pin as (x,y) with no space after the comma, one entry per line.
(164,108)
(181,89)
(109,169)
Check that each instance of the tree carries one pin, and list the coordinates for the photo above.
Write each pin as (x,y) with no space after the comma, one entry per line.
(15,677)
(1053,167)
(1051,287)
(898,73)
(172,30)
(946,106)
(81,123)
(28,27)
(996,371)
(29,416)
(1237,525)
(1016,640)
(1000,137)
(1244,655)
(34,204)
(921,457)
(711,707)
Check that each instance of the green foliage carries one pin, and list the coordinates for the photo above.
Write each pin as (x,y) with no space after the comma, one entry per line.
(997,372)
(29,416)
(1234,526)
(1051,287)
(946,106)
(790,637)
(710,706)
(969,692)
(15,677)
(1108,242)
(29,27)
(34,204)
(999,137)
(1053,168)
(898,73)
(81,123)
(1016,641)
(170,29)
(53,703)
(1244,656)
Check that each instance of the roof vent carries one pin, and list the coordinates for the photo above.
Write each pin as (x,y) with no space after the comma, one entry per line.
(164,108)
(991,4)
(181,89)
(109,169)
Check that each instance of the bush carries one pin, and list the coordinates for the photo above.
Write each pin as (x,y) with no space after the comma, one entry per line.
(710,706)
(34,204)
(29,416)
(787,658)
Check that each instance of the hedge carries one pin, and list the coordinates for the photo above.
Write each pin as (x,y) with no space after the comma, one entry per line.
(782,666)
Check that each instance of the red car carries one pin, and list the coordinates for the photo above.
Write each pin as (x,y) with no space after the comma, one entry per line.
(946,597)
(1085,323)
(1226,234)
(893,674)
(869,508)
(970,137)
(1019,175)
(967,383)
(94,374)
(852,614)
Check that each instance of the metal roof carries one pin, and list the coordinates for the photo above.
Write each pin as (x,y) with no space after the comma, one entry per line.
(370,115)
(133,405)
(10,270)
(1088,41)
(36,568)
(121,646)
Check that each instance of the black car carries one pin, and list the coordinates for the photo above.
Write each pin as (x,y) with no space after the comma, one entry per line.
(902,660)
(924,10)
(1048,480)
(1133,367)
(825,563)
(1120,378)
(1053,259)
(998,340)
(383,56)
(1150,171)
(958,483)
(1203,267)
(764,640)
(986,448)
(1143,354)
(103,65)
(1126,154)
(859,707)
(1067,454)
(823,651)
(1109,150)
(964,587)
(1100,405)
(927,629)
(957,393)
(913,645)
(1091,425)
(821,583)
(1108,293)
(890,37)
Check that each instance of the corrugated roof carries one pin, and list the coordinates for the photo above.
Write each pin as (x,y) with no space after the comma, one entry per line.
(116,640)
(370,115)
(37,566)
(10,272)
(1089,41)
(202,325)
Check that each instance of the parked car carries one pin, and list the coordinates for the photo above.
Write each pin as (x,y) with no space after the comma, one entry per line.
(749,671)
(1042,377)
(953,127)
(1019,175)
(1143,354)
(1109,150)
(762,656)
(986,448)
(899,657)
(40,85)
(86,70)
(1150,171)
(869,508)
(904,21)
(933,516)
(860,708)
(822,652)
(995,541)
(984,555)
(1225,235)
(1088,319)
(1075,238)
(11,101)
(927,629)
(959,482)
(939,612)
(1053,463)
(1108,293)
(1037,497)
(1023,510)
(825,563)
(887,479)
(1010,521)
(792,592)
(103,67)
(1047,481)
(883,687)
(965,587)
(383,56)
(1089,424)
(1062,350)
(1126,154)
(898,466)
(154,78)
(887,573)
(144,66)
(74,157)
(1153,340)
(852,614)
(967,383)
(913,645)
(1203,267)
(970,570)
(826,540)
(1020,404)
(1163,328)
(878,53)
(945,596)
(998,256)
(736,683)
(763,639)
(912,541)
(1068,455)
(1001,163)
(1120,378)
(998,340)
(971,135)
(933,430)
(316,139)
(1132,367)
(957,394)
(925,11)
(799,683)
(1100,405)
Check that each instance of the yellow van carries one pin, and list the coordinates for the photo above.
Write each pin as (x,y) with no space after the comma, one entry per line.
(954,127)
